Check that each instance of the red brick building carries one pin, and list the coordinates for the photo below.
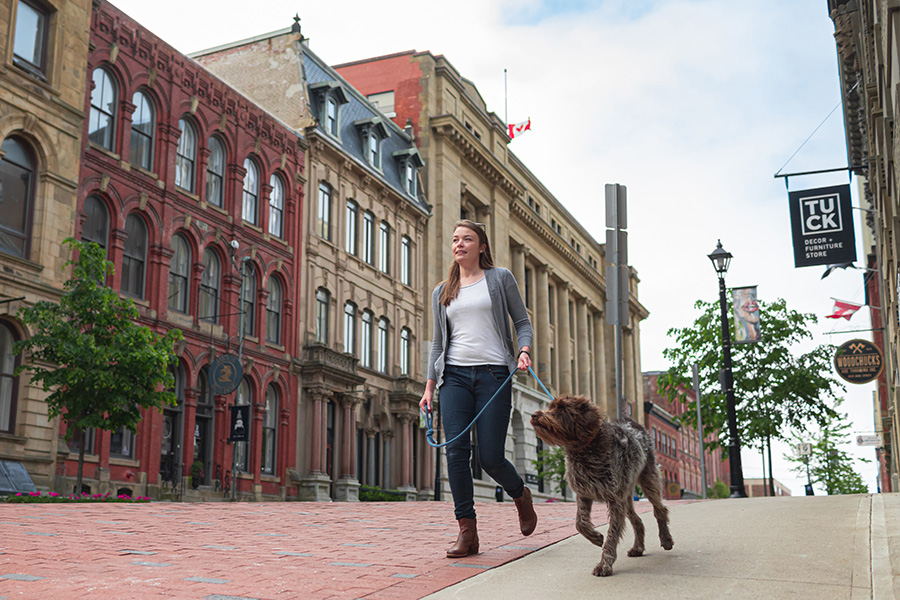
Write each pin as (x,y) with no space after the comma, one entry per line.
(678,446)
(188,184)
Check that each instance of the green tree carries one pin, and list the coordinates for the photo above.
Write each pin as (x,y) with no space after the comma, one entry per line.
(776,389)
(551,466)
(101,367)
(829,465)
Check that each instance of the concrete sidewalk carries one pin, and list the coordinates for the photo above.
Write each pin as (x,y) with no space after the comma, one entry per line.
(845,547)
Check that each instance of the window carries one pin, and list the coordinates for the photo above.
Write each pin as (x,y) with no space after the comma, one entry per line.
(251,191)
(30,49)
(365,340)
(384,101)
(527,287)
(142,127)
(383,344)
(269,432)
(323,301)
(248,294)
(96,222)
(368,238)
(102,124)
(351,244)
(405,260)
(121,443)
(215,173)
(9,383)
(410,178)
(273,312)
(179,274)
(405,351)
(134,256)
(208,308)
(186,157)
(384,248)
(276,206)
(350,328)
(372,150)
(241,449)
(331,116)
(16,197)
(323,224)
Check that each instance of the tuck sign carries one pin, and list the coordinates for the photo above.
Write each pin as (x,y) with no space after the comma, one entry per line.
(822,226)
(821,214)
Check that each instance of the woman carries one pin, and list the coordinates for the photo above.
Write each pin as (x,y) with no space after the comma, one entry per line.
(471,357)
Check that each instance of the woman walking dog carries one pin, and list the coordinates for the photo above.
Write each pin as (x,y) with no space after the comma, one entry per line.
(471,357)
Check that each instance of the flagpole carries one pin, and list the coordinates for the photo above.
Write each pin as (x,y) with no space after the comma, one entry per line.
(505,103)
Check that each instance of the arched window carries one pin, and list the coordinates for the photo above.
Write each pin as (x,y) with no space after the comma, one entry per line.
(17,184)
(349,328)
(251,192)
(96,222)
(323,302)
(102,124)
(215,173)
(179,274)
(365,339)
(270,432)
(134,256)
(142,128)
(249,298)
(273,312)
(208,308)
(276,206)
(9,383)
(185,156)
(242,449)
(383,344)
(405,351)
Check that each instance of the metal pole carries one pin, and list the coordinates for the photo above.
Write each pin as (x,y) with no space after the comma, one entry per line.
(734,445)
(700,430)
(620,396)
(234,478)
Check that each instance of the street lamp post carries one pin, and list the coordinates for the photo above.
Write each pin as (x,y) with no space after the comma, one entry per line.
(720,260)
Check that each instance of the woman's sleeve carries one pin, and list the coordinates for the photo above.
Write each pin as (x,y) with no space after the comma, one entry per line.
(437,342)
(516,307)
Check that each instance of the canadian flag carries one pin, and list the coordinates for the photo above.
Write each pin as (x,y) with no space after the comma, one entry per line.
(844,309)
(516,129)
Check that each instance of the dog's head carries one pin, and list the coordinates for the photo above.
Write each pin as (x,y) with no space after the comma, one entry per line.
(568,421)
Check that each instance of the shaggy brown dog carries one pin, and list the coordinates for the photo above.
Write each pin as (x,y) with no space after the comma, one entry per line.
(604,462)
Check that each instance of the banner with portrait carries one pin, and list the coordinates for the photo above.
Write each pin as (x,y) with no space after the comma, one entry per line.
(746,315)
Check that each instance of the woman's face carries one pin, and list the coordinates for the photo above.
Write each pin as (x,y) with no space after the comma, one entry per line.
(465,246)
(747,307)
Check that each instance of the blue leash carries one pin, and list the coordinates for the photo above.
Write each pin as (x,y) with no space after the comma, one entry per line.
(429,432)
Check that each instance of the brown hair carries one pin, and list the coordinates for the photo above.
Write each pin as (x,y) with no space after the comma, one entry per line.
(485,261)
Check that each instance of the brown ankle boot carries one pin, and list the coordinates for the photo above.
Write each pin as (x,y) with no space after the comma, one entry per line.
(527,516)
(467,542)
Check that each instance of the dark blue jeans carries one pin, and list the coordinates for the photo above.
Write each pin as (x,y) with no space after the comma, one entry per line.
(463,394)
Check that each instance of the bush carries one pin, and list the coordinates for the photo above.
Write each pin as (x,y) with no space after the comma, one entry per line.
(374,494)
(53,497)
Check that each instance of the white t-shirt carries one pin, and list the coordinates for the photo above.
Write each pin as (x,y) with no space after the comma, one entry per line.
(474,339)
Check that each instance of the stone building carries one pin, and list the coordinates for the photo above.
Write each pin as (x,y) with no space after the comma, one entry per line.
(868,48)
(678,445)
(42,82)
(470,172)
(362,294)
(196,194)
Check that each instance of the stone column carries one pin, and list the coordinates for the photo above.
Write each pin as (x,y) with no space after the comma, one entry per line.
(518,267)
(564,340)
(601,388)
(540,350)
(347,486)
(315,484)
(584,350)
(371,467)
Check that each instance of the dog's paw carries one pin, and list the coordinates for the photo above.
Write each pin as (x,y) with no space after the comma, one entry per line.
(636,552)
(667,543)
(602,570)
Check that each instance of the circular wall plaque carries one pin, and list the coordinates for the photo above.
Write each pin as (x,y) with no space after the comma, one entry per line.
(858,361)
(225,374)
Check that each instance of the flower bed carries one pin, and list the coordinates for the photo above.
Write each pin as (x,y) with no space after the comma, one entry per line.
(54,497)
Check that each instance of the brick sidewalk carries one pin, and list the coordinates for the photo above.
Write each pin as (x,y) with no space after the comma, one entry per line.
(224,551)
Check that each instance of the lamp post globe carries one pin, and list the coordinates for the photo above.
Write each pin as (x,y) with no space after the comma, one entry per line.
(721,259)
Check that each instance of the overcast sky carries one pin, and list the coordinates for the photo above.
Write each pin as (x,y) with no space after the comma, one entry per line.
(693,105)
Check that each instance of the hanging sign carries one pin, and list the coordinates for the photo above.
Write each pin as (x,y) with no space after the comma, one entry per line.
(240,423)
(822,226)
(225,374)
(858,361)
(746,314)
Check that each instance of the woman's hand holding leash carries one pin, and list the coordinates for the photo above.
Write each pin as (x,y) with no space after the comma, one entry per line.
(524,358)
(425,402)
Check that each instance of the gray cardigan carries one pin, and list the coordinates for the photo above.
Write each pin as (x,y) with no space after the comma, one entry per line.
(505,299)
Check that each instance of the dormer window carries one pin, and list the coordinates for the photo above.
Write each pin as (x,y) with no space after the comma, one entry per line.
(331,119)
(329,96)
(409,162)
(372,131)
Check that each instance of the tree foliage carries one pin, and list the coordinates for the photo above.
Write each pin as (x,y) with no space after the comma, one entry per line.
(551,466)
(100,366)
(776,389)
(828,465)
